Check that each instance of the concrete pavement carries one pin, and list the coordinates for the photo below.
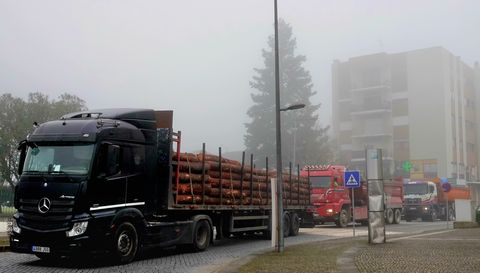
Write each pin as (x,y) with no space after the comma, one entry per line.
(443,251)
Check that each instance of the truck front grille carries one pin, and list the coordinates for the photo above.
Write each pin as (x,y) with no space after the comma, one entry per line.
(412,201)
(56,218)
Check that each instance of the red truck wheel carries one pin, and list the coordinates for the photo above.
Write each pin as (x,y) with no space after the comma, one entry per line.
(295,226)
(398,216)
(343,218)
(390,216)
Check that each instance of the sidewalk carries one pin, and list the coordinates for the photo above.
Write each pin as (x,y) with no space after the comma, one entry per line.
(444,251)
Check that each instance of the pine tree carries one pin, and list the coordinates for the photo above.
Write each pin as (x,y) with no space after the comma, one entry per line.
(299,126)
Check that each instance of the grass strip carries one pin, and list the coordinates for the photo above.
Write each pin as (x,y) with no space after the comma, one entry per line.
(4,241)
(312,257)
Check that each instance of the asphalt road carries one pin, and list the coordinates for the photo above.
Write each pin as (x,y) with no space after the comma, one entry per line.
(223,252)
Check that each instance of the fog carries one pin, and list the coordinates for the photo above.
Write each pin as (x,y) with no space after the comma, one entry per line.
(197,57)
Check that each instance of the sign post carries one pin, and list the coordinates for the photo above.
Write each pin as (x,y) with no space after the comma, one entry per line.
(446,187)
(352,181)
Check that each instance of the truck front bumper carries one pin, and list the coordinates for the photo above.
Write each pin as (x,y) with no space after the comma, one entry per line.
(325,213)
(55,243)
(417,211)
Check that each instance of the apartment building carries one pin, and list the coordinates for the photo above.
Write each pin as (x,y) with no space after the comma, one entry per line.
(419,107)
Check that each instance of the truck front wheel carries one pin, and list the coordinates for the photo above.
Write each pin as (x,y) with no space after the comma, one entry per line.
(433,216)
(125,243)
(286,225)
(343,218)
(451,214)
(295,226)
(201,236)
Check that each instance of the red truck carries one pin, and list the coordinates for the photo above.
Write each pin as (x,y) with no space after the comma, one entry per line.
(333,201)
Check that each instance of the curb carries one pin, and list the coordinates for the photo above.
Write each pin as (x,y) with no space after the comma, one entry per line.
(459,225)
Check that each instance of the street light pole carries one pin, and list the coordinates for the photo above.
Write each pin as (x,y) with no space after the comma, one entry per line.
(278,139)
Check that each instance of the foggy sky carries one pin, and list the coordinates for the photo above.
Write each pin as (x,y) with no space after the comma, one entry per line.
(197,57)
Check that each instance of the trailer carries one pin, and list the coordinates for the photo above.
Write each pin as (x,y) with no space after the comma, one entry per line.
(116,181)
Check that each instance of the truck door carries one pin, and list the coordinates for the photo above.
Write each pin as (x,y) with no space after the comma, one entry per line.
(120,175)
(108,185)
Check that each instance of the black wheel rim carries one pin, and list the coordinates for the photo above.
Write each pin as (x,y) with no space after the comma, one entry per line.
(125,243)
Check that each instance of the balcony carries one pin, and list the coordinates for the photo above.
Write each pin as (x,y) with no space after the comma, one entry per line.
(380,87)
(370,108)
(359,156)
(373,135)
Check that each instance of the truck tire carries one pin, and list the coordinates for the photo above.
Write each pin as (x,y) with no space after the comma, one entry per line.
(295,226)
(202,234)
(451,214)
(343,218)
(286,225)
(389,216)
(397,216)
(433,216)
(125,243)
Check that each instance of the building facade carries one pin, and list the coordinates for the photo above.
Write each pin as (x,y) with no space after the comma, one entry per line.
(419,107)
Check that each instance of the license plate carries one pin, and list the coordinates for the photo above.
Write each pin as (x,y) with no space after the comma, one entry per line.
(412,208)
(41,249)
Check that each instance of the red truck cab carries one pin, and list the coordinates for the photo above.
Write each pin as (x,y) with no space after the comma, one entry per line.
(328,194)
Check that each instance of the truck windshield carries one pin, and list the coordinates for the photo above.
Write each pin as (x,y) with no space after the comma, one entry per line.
(320,181)
(69,159)
(416,189)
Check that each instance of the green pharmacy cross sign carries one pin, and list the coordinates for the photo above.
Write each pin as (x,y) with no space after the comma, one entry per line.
(407,166)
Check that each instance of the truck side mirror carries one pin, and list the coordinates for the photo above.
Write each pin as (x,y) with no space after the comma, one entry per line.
(22,147)
(112,165)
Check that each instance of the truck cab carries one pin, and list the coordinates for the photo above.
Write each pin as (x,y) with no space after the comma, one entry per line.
(329,195)
(82,178)
(421,200)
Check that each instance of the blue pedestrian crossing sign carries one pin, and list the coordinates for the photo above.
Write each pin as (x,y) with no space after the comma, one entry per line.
(351,179)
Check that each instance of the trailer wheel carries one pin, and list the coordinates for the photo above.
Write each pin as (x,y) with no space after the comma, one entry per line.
(286,224)
(390,216)
(343,218)
(295,226)
(125,243)
(202,234)
(398,216)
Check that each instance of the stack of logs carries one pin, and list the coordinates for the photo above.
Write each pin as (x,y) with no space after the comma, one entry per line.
(202,177)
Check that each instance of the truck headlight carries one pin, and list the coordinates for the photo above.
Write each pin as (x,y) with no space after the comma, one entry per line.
(329,210)
(15,227)
(425,208)
(78,229)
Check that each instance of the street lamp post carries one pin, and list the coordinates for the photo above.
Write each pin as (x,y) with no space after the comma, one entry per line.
(278,138)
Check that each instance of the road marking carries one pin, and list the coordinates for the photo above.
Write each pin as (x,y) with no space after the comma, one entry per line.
(420,235)
(443,239)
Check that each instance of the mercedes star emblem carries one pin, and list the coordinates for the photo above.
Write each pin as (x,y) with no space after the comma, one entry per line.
(44,205)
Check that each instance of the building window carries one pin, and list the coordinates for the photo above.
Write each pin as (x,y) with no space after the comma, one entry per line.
(400,108)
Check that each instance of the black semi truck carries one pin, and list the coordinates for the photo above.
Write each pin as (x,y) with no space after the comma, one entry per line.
(101,181)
